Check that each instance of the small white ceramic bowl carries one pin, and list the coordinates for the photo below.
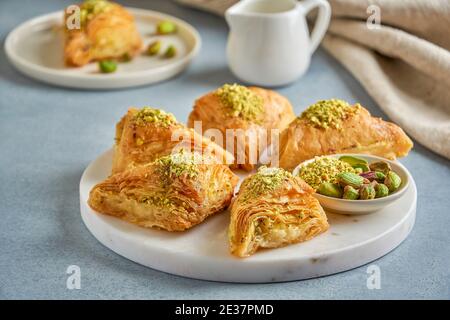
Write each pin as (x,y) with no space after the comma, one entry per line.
(351,207)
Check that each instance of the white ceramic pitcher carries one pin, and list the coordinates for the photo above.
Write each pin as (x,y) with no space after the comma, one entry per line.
(269,42)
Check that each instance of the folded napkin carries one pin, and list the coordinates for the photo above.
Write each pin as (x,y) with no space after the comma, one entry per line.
(403,63)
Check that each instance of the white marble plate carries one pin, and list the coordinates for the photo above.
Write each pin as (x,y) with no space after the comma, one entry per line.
(35,48)
(202,252)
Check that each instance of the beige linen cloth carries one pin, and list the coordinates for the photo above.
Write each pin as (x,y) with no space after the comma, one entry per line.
(404,63)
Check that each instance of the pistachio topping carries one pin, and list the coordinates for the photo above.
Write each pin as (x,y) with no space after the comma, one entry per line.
(241,101)
(265,180)
(158,199)
(157,116)
(178,164)
(90,8)
(323,169)
(329,113)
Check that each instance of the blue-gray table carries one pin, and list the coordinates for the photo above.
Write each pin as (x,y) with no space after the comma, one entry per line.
(48,135)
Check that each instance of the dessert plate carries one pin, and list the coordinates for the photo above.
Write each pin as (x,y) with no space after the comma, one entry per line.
(35,48)
(202,252)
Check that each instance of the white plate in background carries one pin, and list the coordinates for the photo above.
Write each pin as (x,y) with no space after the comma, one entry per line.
(35,48)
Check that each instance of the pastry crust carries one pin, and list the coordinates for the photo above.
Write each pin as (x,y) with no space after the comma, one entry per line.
(288,214)
(108,31)
(140,142)
(154,196)
(359,133)
(277,114)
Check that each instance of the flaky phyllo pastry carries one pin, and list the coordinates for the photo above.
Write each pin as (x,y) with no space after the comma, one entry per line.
(175,192)
(273,209)
(334,126)
(238,109)
(143,135)
(106,31)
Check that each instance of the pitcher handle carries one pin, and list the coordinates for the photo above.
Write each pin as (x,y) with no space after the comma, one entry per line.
(322,22)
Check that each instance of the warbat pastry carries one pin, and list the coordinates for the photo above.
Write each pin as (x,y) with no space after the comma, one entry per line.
(144,135)
(175,192)
(252,109)
(273,209)
(334,126)
(107,30)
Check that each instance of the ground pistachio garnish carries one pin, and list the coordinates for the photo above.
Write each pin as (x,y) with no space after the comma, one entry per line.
(156,116)
(90,8)
(329,113)
(323,169)
(178,164)
(265,180)
(158,199)
(241,101)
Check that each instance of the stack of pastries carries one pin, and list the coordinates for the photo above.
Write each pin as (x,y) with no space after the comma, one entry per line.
(168,176)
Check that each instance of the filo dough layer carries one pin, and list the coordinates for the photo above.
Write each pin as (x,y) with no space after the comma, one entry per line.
(140,142)
(277,114)
(289,214)
(359,133)
(149,198)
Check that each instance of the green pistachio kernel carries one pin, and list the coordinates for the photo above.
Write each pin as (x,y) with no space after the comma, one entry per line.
(330,189)
(166,27)
(171,52)
(380,176)
(380,166)
(353,161)
(363,167)
(107,66)
(154,48)
(392,181)
(367,192)
(381,190)
(350,193)
(350,179)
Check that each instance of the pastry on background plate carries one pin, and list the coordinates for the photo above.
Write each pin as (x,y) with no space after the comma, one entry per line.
(107,31)
(143,135)
(253,109)
(175,192)
(273,209)
(334,126)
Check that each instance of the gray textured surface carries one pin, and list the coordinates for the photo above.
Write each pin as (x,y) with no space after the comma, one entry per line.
(49,135)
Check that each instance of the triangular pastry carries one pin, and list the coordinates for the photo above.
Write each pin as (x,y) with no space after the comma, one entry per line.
(249,115)
(334,126)
(146,134)
(106,31)
(273,209)
(175,192)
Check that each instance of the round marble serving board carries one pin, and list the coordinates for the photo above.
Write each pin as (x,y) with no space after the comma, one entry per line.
(202,252)
(35,48)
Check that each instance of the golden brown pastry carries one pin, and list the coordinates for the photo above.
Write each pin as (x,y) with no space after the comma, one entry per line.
(252,109)
(146,134)
(175,192)
(106,31)
(273,209)
(334,126)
